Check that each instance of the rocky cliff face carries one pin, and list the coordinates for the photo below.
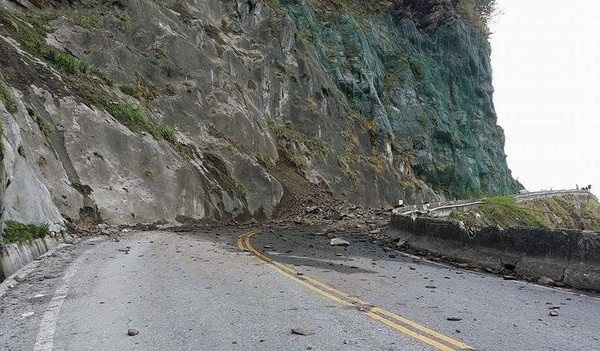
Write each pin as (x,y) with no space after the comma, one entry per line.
(146,110)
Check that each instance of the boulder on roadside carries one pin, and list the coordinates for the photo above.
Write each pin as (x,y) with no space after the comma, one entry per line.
(546,281)
(339,242)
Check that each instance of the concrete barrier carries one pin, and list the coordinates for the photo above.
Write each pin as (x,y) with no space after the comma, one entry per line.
(569,256)
(15,256)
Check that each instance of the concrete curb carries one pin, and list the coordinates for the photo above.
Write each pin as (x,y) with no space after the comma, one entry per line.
(11,281)
(15,256)
(568,256)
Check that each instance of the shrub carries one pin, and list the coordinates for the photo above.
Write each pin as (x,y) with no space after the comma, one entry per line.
(416,68)
(65,62)
(130,90)
(17,232)
(6,97)
(163,132)
(46,127)
(128,114)
(87,20)
(377,162)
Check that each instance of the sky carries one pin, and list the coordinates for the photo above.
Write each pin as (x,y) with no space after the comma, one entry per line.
(546,62)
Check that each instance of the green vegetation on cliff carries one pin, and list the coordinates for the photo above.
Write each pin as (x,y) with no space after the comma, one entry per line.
(420,71)
(6,97)
(17,232)
(558,212)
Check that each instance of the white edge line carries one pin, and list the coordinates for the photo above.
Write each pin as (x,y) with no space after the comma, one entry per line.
(45,337)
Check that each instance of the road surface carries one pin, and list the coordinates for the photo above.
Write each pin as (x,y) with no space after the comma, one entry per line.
(234,289)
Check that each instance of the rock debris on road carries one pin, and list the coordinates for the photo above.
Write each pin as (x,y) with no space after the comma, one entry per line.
(197,291)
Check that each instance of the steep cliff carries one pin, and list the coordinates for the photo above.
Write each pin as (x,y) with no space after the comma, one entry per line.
(147,110)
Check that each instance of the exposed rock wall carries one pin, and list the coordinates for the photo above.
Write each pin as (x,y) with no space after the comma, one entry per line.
(219,109)
(432,90)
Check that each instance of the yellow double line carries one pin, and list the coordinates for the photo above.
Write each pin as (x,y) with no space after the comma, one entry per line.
(392,320)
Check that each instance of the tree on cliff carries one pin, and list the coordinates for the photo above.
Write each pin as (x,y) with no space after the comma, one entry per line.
(427,14)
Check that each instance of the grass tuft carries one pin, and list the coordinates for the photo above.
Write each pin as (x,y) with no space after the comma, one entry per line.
(17,232)
(8,100)
(46,127)
(504,210)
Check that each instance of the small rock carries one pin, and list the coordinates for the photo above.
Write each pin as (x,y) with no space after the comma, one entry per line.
(312,209)
(431,287)
(412,268)
(546,281)
(27,314)
(336,216)
(375,231)
(339,242)
(21,278)
(553,313)
(463,265)
(400,244)
(454,319)
(267,246)
(300,331)
(339,254)
(133,332)
(509,277)
(392,256)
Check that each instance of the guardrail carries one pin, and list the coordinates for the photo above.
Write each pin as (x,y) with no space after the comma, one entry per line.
(549,193)
(431,209)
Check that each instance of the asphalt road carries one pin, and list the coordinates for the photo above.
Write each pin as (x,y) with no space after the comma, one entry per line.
(199,291)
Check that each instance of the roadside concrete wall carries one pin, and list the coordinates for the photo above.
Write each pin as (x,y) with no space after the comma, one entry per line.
(568,256)
(15,256)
